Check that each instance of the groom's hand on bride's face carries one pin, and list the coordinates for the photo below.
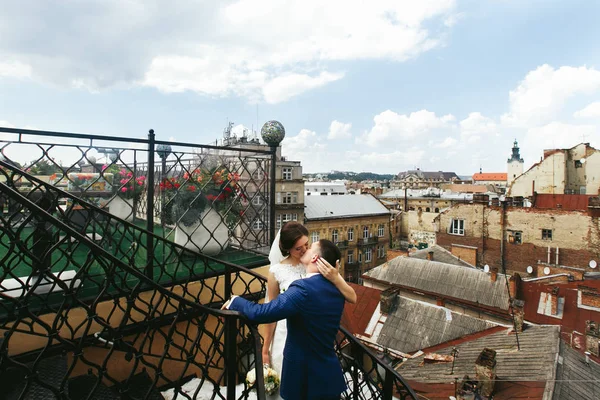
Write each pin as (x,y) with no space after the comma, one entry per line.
(329,272)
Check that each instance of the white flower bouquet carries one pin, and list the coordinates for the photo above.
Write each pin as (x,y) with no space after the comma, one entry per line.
(271,379)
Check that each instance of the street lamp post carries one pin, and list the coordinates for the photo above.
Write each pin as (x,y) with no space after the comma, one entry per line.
(272,133)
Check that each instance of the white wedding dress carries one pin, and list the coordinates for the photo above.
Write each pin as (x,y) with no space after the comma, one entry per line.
(285,274)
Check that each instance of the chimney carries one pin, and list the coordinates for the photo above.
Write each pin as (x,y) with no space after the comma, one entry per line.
(494,274)
(485,371)
(519,312)
(513,285)
(430,255)
(389,300)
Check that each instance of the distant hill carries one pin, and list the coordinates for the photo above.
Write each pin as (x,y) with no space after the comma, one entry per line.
(352,176)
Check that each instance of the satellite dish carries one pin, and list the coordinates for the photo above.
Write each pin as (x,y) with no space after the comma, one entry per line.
(546,271)
(582,160)
(529,269)
(593,264)
(486,268)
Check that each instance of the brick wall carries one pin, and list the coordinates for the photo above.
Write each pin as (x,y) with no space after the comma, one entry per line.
(466,253)
(576,234)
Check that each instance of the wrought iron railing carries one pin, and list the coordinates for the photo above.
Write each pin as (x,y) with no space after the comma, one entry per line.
(94,306)
(209,199)
(81,318)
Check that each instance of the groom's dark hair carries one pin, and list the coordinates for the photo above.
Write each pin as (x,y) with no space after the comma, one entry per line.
(329,251)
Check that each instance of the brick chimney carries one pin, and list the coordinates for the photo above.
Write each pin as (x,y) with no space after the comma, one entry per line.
(519,312)
(513,285)
(485,371)
(494,274)
(430,255)
(389,300)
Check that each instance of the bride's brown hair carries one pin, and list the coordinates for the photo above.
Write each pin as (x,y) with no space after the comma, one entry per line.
(290,233)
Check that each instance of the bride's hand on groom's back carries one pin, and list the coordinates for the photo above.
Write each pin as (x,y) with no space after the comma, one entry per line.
(327,270)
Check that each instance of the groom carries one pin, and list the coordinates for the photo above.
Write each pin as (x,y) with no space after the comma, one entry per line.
(313,307)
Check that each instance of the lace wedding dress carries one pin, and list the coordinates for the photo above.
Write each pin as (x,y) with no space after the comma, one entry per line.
(285,274)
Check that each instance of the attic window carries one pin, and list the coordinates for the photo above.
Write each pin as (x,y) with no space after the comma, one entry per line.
(578,164)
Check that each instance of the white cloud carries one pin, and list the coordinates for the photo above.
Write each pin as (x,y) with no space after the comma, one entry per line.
(14,69)
(216,48)
(390,125)
(558,135)
(590,111)
(284,87)
(475,126)
(542,94)
(393,161)
(448,142)
(339,130)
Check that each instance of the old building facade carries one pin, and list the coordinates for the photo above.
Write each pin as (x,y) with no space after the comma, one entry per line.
(418,179)
(359,225)
(561,171)
(520,237)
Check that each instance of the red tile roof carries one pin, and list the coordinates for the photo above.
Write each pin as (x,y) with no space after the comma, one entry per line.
(356,317)
(490,176)
(571,202)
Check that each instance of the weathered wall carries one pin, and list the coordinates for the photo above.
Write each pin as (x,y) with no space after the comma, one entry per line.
(421,228)
(575,233)
(548,174)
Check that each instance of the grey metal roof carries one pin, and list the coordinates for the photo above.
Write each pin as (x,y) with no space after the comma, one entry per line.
(416,325)
(535,361)
(428,174)
(576,379)
(464,283)
(319,207)
(440,254)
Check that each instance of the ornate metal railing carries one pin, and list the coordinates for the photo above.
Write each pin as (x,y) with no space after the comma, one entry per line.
(81,319)
(94,306)
(207,198)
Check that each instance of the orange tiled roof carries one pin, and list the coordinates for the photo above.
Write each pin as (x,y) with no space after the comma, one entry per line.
(490,176)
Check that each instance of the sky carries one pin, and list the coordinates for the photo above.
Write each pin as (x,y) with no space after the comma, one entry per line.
(380,86)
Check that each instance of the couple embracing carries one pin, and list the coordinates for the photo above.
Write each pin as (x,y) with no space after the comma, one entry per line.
(305,289)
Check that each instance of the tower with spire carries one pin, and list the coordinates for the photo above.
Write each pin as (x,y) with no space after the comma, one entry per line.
(515,163)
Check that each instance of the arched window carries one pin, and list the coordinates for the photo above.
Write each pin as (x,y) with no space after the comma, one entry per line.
(427,209)
(437,210)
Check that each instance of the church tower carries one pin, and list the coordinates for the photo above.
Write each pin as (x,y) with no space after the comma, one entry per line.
(514,164)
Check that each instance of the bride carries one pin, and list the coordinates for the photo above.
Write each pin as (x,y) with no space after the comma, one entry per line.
(289,246)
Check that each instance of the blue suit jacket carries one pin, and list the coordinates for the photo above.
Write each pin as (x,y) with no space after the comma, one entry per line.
(313,308)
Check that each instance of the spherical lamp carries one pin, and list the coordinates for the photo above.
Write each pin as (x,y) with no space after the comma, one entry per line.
(272,133)
(163,150)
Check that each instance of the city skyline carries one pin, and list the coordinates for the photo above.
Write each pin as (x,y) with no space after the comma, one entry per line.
(439,85)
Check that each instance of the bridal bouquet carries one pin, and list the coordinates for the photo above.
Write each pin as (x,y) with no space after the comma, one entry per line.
(271,379)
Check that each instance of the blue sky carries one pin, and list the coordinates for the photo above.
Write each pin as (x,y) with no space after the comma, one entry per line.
(383,87)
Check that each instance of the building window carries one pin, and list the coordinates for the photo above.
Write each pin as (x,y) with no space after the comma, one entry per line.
(324,194)
(257,225)
(381,252)
(290,198)
(359,257)
(365,232)
(314,237)
(283,218)
(515,237)
(578,164)
(287,173)
(437,210)
(368,255)
(381,230)
(546,234)
(427,209)
(351,234)
(457,227)
(350,257)
(278,198)
(334,236)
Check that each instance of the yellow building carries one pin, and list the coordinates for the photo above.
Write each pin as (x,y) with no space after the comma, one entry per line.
(359,225)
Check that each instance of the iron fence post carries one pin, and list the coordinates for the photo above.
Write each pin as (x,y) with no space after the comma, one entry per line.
(388,386)
(150,207)
(230,356)
(272,194)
